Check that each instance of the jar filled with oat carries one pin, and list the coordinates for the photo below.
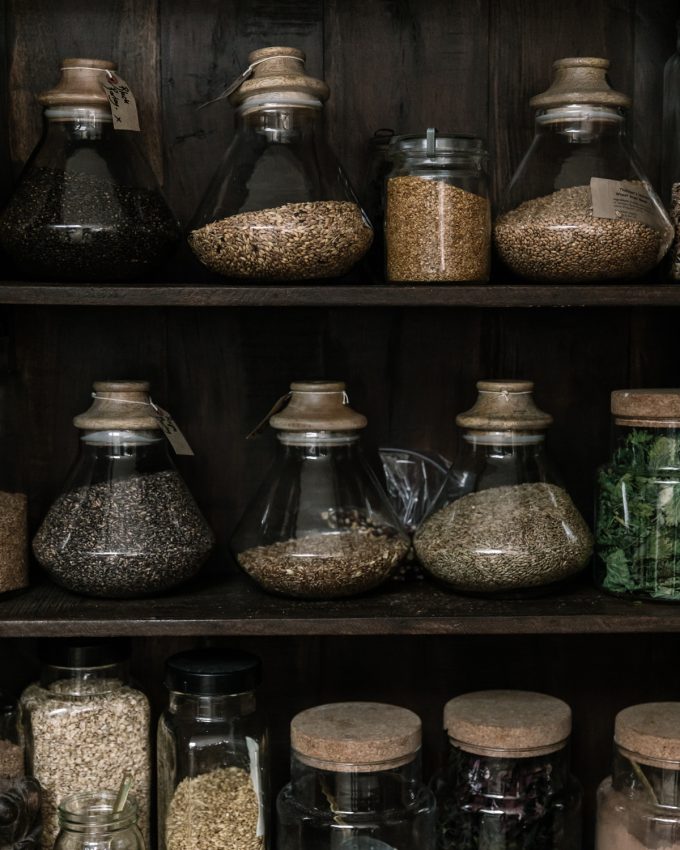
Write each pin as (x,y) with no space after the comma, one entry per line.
(213,776)
(19,794)
(503,521)
(579,207)
(437,213)
(280,206)
(85,727)
(321,525)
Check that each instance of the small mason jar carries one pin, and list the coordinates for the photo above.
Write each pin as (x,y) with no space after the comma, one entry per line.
(506,784)
(356,781)
(213,777)
(638,806)
(437,209)
(87,821)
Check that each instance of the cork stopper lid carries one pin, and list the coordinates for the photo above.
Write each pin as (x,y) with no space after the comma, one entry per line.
(348,736)
(580,80)
(504,406)
(651,730)
(118,405)
(276,71)
(80,84)
(318,406)
(653,408)
(507,724)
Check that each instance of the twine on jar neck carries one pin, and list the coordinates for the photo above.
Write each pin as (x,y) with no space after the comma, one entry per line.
(245,75)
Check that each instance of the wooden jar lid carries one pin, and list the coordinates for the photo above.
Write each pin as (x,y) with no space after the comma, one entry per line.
(653,408)
(80,84)
(119,406)
(510,724)
(278,70)
(650,730)
(581,79)
(504,406)
(361,736)
(318,406)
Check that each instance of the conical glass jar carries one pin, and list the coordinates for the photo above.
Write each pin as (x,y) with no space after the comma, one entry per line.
(503,521)
(670,143)
(320,525)
(87,206)
(87,821)
(579,207)
(280,206)
(125,524)
(19,794)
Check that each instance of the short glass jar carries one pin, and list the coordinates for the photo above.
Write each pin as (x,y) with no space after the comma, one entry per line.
(87,821)
(85,727)
(19,794)
(506,784)
(213,776)
(356,781)
(437,209)
(638,806)
(637,526)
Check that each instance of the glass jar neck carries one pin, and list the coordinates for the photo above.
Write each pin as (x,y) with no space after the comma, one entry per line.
(84,681)
(648,447)
(92,814)
(280,123)
(581,123)
(79,124)
(656,782)
(318,443)
(206,709)
(114,444)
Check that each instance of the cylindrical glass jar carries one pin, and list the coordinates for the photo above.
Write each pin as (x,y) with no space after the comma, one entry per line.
(213,776)
(638,806)
(506,784)
(87,206)
(437,210)
(87,821)
(637,526)
(579,207)
(125,524)
(320,525)
(85,727)
(19,795)
(356,781)
(280,206)
(503,521)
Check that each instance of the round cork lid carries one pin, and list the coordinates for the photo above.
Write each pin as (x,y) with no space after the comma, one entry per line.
(651,730)
(80,84)
(361,736)
(652,407)
(278,70)
(581,79)
(318,406)
(512,724)
(504,406)
(118,405)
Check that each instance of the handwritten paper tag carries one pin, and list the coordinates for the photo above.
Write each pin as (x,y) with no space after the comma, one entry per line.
(254,758)
(171,430)
(122,102)
(622,199)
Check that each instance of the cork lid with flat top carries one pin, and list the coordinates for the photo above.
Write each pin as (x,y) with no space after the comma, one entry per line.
(504,406)
(651,731)
(318,406)
(119,406)
(80,84)
(580,79)
(278,71)
(652,408)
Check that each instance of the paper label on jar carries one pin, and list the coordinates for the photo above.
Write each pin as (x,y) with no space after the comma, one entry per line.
(171,430)
(122,102)
(254,758)
(623,199)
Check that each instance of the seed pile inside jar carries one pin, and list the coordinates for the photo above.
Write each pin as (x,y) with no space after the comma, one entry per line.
(11,760)
(505,538)
(556,237)
(291,242)
(436,231)
(13,542)
(218,810)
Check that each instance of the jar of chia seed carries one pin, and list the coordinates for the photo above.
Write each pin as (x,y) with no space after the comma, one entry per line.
(506,784)
(19,794)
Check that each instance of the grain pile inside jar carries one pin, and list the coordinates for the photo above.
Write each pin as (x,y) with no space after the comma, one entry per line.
(13,542)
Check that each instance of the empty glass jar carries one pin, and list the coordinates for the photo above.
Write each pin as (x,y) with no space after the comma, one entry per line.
(213,778)
(320,525)
(503,521)
(87,821)
(125,524)
(280,206)
(579,207)
(87,206)
(19,794)
(356,781)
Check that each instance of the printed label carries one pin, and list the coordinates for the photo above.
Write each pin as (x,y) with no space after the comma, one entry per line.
(171,430)
(622,199)
(254,757)
(122,102)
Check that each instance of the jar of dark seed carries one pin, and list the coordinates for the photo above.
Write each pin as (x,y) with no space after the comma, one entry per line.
(19,794)
(87,206)
(125,524)
(320,525)
(437,209)
(506,782)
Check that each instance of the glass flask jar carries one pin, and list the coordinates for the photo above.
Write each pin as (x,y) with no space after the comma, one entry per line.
(437,209)
(320,525)
(87,821)
(502,521)
(579,207)
(638,806)
(637,526)
(19,794)
(125,524)
(280,206)
(506,784)
(356,781)
(213,778)
(85,727)
(670,145)
(87,206)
